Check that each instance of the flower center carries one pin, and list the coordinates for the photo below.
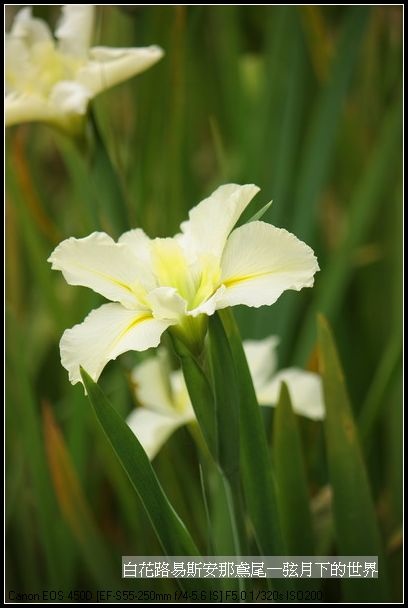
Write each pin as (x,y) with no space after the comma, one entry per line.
(195,281)
(38,75)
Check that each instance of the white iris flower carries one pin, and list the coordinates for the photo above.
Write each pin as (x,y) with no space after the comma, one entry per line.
(166,403)
(176,282)
(53,80)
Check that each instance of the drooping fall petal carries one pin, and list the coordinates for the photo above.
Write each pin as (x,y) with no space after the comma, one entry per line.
(305,389)
(107,332)
(99,263)
(74,30)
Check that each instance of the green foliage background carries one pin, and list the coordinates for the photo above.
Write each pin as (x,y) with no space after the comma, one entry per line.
(304,102)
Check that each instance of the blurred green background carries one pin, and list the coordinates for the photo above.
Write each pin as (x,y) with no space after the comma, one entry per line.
(304,102)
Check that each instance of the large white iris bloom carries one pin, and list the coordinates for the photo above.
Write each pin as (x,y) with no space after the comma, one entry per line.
(53,80)
(175,282)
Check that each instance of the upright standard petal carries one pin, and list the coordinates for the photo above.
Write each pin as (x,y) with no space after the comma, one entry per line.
(107,332)
(108,268)
(262,359)
(139,243)
(305,389)
(74,30)
(17,66)
(153,429)
(211,221)
(260,262)
(107,67)
(30,29)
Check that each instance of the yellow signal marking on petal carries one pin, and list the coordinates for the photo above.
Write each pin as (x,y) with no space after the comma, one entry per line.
(254,275)
(138,293)
(236,280)
(131,325)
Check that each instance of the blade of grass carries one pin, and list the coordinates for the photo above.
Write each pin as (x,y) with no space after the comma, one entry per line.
(227,407)
(30,194)
(321,134)
(395,450)
(83,195)
(129,507)
(293,495)
(257,476)
(284,136)
(226,398)
(227,47)
(106,184)
(73,504)
(19,512)
(355,519)
(204,492)
(45,506)
(77,431)
(249,216)
(371,408)
(14,279)
(368,195)
(37,252)
(285,96)
(318,38)
(318,150)
(169,528)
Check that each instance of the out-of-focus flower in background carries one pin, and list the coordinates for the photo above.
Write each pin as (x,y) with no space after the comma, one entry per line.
(176,282)
(166,405)
(52,80)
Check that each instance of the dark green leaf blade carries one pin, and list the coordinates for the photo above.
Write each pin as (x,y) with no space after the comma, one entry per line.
(257,475)
(227,407)
(226,398)
(293,495)
(169,528)
(354,512)
(368,194)
(73,503)
(319,148)
(105,180)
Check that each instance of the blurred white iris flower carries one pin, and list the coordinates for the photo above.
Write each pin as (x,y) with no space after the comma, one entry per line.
(52,80)
(166,404)
(176,282)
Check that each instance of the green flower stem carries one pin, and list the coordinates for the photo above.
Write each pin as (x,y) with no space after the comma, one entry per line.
(200,391)
(191,331)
